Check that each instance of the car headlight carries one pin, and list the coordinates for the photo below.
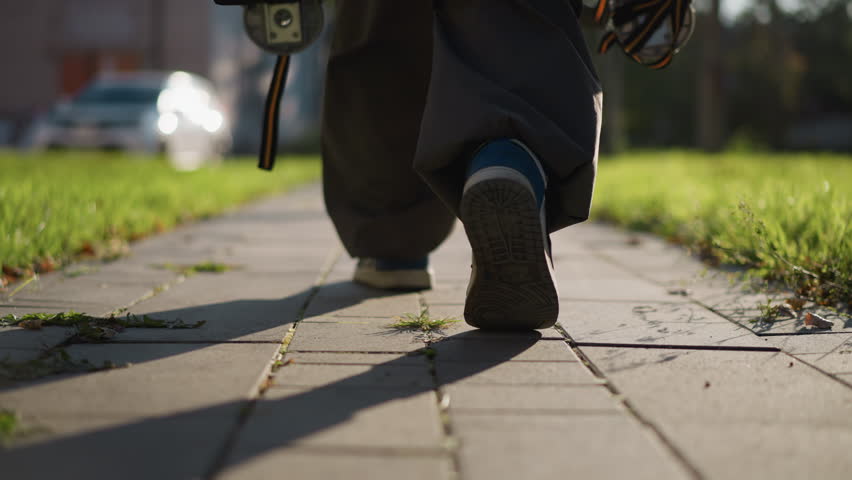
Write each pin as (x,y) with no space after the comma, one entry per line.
(167,124)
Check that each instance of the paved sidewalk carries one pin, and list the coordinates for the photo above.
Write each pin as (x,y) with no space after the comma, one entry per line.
(654,370)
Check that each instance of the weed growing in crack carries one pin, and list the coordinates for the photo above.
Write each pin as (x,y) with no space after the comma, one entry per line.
(203,267)
(89,329)
(422,322)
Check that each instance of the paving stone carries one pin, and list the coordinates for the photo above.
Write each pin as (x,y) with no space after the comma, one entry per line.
(668,264)
(836,362)
(346,358)
(47,305)
(548,447)
(454,294)
(347,299)
(800,344)
(593,235)
(387,375)
(18,355)
(767,451)
(757,413)
(612,289)
(350,417)
(236,306)
(588,267)
(441,310)
(171,447)
(163,379)
(513,373)
(684,324)
(322,465)
(504,349)
(463,331)
(14,337)
(353,337)
(523,399)
(90,290)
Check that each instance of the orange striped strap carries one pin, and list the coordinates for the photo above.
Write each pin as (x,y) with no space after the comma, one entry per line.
(269,140)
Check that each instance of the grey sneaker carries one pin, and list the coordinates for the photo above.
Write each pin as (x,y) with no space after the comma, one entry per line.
(512,286)
(394,274)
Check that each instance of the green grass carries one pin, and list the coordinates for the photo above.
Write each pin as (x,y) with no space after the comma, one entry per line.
(56,206)
(422,322)
(8,425)
(784,216)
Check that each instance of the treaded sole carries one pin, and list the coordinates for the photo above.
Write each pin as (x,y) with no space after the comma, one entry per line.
(512,287)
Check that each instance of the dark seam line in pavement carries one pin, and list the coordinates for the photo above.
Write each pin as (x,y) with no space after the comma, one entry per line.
(597,372)
(796,334)
(442,400)
(679,347)
(359,352)
(350,364)
(415,452)
(220,460)
(833,376)
(414,387)
(193,342)
(534,411)
(623,300)
(508,361)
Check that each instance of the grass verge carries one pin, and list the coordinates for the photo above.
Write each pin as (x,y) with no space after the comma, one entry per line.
(784,216)
(56,206)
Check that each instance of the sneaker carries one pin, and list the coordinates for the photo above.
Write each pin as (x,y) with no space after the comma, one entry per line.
(394,274)
(512,286)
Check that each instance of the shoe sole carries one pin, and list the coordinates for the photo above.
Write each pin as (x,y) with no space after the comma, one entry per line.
(512,286)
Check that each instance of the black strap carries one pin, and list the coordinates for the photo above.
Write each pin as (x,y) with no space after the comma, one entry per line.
(269,140)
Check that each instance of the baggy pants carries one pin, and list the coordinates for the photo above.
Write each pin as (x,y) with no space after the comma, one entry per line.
(414,87)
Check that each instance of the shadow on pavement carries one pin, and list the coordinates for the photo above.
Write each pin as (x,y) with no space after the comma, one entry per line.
(226,322)
(188,444)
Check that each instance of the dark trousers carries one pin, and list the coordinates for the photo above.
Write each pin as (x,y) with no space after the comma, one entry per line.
(414,87)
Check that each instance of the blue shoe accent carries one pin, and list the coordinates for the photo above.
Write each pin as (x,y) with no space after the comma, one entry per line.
(389,264)
(513,154)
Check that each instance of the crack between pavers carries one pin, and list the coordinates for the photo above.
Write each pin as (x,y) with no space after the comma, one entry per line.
(414,452)
(720,348)
(541,412)
(797,334)
(267,376)
(358,352)
(192,342)
(442,399)
(834,376)
(678,455)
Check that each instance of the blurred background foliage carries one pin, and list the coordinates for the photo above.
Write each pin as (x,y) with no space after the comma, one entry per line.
(778,76)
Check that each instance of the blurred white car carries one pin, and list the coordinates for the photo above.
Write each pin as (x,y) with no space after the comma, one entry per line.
(176,113)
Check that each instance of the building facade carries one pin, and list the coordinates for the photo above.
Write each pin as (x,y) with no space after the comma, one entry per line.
(49,49)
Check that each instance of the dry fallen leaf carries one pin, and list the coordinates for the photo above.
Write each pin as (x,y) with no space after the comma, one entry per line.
(814,320)
(796,303)
(34,324)
(787,310)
